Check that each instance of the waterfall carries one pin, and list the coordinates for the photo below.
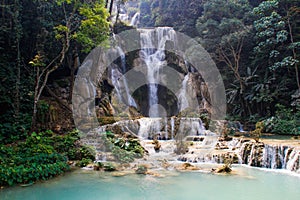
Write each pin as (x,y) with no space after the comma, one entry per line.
(172,122)
(293,161)
(270,156)
(182,97)
(153,53)
(149,127)
(129,98)
(119,81)
(135,19)
(115,76)
(241,128)
(166,135)
(191,126)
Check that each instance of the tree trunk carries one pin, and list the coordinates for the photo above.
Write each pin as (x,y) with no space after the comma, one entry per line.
(18,30)
(106,3)
(111,6)
(293,50)
(35,102)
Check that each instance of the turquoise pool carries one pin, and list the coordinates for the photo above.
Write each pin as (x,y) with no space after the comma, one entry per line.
(250,184)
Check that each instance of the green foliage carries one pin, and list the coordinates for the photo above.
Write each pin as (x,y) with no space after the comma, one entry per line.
(84,162)
(285,121)
(126,150)
(41,156)
(130,145)
(68,145)
(256,134)
(15,80)
(33,35)
(19,165)
(94,27)
(11,132)
(100,164)
(43,111)
(37,61)
(122,155)
(123,149)
(270,32)
(179,14)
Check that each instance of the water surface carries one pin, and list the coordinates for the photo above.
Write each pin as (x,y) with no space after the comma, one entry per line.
(250,184)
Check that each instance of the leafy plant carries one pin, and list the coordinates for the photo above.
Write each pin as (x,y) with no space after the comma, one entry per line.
(84,162)
(256,134)
(41,156)
(284,121)
(122,155)
(123,149)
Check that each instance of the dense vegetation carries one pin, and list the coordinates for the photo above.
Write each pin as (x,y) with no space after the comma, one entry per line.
(40,157)
(39,38)
(123,149)
(255,44)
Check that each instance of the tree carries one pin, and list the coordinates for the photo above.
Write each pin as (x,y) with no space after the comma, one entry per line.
(230,52)
(181,15)
(85,22)
(292,10)
(12,71)
(224,28)
(275,52)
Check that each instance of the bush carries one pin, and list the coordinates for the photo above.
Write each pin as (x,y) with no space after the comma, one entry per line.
(40,157)
(19,166)
(122,155)
(285,121)
(84,162)
(256,134)
(124,150)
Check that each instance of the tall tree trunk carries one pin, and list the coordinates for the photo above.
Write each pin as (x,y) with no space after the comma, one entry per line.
(18,32)
(111,6)
(293,49)
(35,100)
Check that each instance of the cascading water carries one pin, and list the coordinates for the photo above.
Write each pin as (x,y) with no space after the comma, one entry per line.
(115,77)
(275,156)
(182,97)
(149,127)
(272,155)
(153,53)
(130,100)
(191,126)
(172,123)
(135,19)
(119,81)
